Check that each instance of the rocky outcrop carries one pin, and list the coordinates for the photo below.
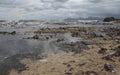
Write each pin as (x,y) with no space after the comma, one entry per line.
(109,19)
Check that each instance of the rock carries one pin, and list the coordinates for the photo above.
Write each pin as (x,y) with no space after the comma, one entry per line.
(75,34)
(108,58)
(76,47)
(65,63)
(117,53)
(80,73)
(35,37)
(72,61)
(82,64)
(71,69)
(118,47)
(102,51)
(68,73)
(99,34)
(68,65)
(47,38)
(109,19)
(59,40)
(10,33)
(109,68)
(13,33)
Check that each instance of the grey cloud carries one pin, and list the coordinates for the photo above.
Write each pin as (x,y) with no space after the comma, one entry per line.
(57,9)
(6,1)
(54,0)
(55,4)
(95,1)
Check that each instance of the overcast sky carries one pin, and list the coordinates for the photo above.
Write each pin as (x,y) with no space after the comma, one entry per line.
(57,9)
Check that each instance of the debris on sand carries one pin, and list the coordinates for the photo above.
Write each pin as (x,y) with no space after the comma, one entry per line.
(109,68)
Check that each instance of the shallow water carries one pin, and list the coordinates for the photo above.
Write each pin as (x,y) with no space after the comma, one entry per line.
(13,44)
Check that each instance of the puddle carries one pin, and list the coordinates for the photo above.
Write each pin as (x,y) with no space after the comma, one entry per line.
(11,45)
(15,44)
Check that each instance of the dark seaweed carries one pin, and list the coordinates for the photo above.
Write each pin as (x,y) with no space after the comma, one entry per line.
(13,62)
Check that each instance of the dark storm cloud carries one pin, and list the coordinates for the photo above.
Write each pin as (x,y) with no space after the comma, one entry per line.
(57,9)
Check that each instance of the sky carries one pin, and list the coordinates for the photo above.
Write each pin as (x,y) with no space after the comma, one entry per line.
(57,9)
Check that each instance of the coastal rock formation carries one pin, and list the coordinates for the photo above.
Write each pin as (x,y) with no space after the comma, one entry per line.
(109,19)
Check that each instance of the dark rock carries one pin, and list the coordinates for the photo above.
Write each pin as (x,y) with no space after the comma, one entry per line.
(72,61)
(3,32)
(65,63)
(102,51)
(71,69)
(10,33)
(108,58)
(75,34)
(109,68)
(117,53)
(47,38)
(68,65)
(76,47)
(109,19)
(82,64)
(13,62)
(59,40)
(13,33)
(35,37)
(118,47)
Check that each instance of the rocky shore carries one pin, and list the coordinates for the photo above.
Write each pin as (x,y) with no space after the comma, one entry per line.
(74,51)
(97,54)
